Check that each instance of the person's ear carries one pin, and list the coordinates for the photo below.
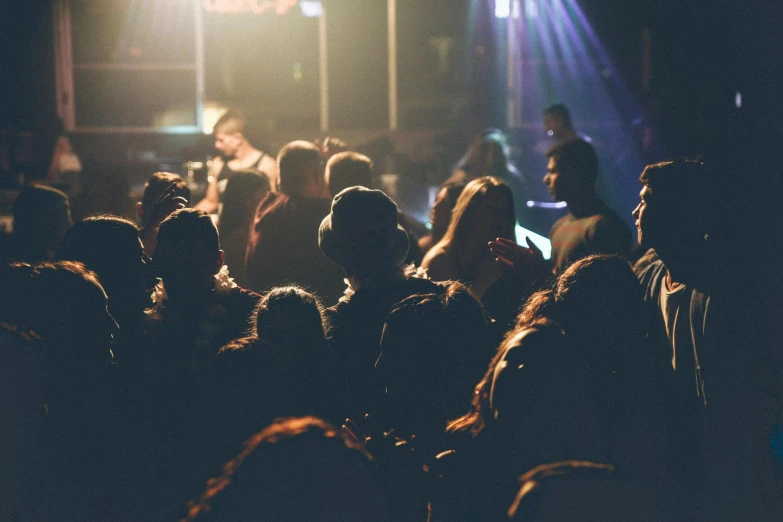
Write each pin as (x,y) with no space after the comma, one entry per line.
(139,209)
(220,259)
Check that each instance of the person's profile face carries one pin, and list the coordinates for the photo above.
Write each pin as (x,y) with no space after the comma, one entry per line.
(440,213)
(227,142)
(645,218)
(556,183)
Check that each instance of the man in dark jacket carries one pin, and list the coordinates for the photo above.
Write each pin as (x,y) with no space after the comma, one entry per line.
(283,244)
(719,381)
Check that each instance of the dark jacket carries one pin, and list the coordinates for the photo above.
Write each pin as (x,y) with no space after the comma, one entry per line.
(283,247)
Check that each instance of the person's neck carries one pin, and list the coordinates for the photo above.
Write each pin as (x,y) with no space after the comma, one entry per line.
(375,279)
(686,264)
(585,205)
(568,134)
(245,151)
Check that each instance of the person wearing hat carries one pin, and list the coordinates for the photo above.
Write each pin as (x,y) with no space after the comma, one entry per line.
(362,235)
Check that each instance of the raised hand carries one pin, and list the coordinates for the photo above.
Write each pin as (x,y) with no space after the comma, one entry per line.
(524,260)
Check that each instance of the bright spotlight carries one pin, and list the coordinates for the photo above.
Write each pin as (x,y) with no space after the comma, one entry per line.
(311,8)
(502,8)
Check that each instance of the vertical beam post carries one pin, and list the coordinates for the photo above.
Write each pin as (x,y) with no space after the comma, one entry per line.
(323,71)
(199,31)
(393,97)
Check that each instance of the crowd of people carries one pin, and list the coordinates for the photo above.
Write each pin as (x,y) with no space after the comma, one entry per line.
(350,368)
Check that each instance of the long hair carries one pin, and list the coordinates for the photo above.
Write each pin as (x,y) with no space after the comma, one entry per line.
(467,206)
(597,300)
(535,313)
(485,157)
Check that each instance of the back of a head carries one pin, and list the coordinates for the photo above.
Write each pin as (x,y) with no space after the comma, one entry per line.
(232,121)
(581,490)
(295,469)
(190,227)
(290,316)
(435,347)
(244,191)
(108,245)
(604,285)
(296,162)
(41,218)
(486,157)
(156,185)
(65,303)
(560,112)
(576,159)
(348,169)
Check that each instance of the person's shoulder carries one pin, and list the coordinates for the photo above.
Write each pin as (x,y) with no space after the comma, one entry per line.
(651,278)
(440,264)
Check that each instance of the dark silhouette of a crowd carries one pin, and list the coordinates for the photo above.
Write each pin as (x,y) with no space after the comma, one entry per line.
(345,369)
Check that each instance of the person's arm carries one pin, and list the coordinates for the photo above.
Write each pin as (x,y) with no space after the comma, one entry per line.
(212,197)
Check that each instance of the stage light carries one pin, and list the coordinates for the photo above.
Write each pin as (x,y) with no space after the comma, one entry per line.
(502,8)
(738,100)
(311,8)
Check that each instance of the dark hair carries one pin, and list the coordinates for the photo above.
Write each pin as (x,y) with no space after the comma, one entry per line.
(39,211)
(587,301)
(65,303)
(467,205)
(688,188)
(290,304)
(244,190)
(231,121)
(560,112)
(295,162)
(486,157)
(576,158)
(348,169)
(104,243)
(453,191)
(434,348)
(154,188)
(191,226)
(293,470)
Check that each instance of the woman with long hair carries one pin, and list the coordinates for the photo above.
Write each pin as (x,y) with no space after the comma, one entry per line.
(483,213)
(572,381)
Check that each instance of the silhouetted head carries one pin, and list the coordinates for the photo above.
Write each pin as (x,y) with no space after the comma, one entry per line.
(434,349)
(188,255)
(348,169)
(64,303)
(110,246)
(487,156)
(557,120)
(362,233)
(229,133)
(572,170)
(154,189)
(300,166)
(289,321)
(679,204)
(295,469)
(41,218)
